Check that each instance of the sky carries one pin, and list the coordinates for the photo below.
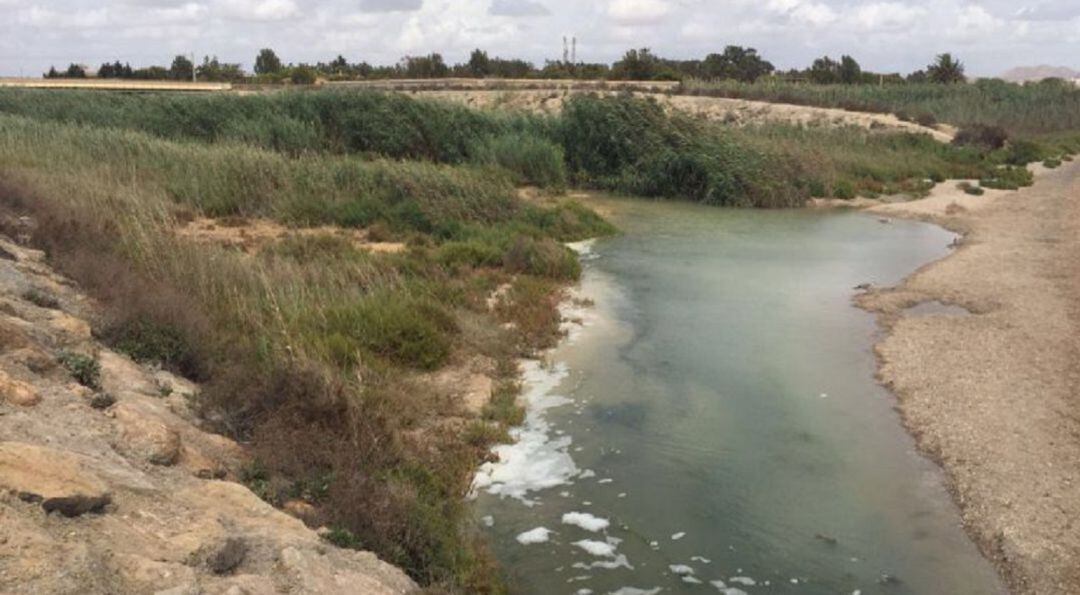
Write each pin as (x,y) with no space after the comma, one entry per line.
(990,36)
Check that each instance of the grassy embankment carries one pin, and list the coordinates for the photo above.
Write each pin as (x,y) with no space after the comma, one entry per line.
(616,144)
(314,343)
(313,349)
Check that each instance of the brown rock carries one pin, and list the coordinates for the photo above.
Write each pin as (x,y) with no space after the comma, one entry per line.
(75,329)
(18,392)
(145,434)
(60,480)
(300,509)
(226,557)
(34,359)
(12,336)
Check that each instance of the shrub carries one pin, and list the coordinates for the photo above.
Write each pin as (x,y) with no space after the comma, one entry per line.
(1008,178)
(1023,152)
(844,190)
(543,257)
(407,331)
(529,158)
(981,136)
(41,299)
(1052,163)
(146,341)
(84,369)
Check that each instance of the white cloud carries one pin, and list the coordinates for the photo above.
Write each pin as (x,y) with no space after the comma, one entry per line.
(260,10)
(887,16)
(36,16)
(638,12)
(803,12)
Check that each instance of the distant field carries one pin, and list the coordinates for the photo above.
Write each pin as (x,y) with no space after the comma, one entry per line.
(112,84)
(505,84)
(1024,111)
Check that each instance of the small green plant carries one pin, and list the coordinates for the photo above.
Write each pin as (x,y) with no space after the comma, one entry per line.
(843,190)
(1008,177)
(343,538)
(1052,163)
(148,342)
(83,368)
(41,299)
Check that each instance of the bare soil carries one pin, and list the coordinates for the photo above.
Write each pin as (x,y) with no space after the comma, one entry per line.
(993,396)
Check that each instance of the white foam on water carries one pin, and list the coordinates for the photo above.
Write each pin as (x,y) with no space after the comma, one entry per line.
(726,590)
(678,536)
(620,561)
(597,548)
(607,480)
(681,569)
(691,579)
(743,580)
(586,474)
(635,591)
(534,536)
(700,559)
(622,494)
(585,521)
(489,521)
(536,460)
(584,249)
(584,592)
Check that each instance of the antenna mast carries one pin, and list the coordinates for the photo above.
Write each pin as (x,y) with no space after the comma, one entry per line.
(573,51)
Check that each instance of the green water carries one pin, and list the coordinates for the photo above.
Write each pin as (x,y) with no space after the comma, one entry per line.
(723,388)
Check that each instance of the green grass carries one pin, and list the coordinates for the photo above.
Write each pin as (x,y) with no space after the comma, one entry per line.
(1023,110)
(312,343)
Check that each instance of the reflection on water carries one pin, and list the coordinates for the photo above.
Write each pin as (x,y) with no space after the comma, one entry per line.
(717,426)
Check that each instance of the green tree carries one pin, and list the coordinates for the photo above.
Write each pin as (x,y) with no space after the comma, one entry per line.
(738,63)
(640,65)
(181,68)
(849,71)
(426,67)
(52,74)
(339,65)
(824,71)
(479,63)
(75,71)
(946,70)
(267,62)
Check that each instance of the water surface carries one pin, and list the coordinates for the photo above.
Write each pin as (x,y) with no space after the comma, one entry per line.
(720,411)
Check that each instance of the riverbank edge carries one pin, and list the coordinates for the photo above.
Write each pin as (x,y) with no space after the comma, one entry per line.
(953,210)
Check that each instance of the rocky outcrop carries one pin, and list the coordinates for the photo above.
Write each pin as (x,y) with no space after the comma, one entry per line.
(117,488)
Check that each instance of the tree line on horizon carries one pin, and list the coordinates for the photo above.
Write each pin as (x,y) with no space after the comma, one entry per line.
(734,63)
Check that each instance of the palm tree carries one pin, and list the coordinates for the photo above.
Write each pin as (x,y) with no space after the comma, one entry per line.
(946,70)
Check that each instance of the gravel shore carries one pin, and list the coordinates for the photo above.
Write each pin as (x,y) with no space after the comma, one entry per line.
(993,395)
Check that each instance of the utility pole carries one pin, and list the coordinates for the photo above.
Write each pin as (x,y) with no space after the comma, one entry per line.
(573,51)
(193,67)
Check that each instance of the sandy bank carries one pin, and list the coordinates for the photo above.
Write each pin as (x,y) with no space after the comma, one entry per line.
(993,395)
(739,112)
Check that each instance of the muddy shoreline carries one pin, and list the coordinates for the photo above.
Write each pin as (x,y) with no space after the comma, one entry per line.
(991,395)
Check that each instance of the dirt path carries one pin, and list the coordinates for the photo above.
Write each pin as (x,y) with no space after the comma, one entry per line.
(735,111)
(994,395)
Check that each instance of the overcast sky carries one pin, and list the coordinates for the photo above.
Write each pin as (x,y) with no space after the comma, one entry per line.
(891,35)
